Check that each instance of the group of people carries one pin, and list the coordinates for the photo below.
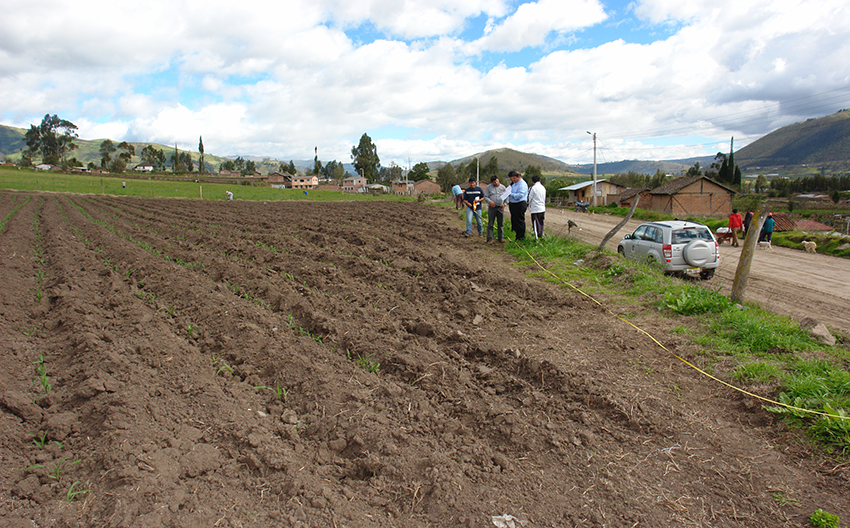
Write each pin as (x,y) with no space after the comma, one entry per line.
(518,197)
(738,225)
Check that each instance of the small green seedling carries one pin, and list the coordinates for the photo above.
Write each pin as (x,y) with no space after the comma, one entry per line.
(59,468)
(72,493)
(280,392)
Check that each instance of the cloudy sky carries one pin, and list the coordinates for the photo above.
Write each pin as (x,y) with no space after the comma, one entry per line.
(426,79)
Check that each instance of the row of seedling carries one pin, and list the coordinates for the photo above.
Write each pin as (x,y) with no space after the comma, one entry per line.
(58,470)
(38,253)
(11,214)
(303,331)
(42,375)
(243,292)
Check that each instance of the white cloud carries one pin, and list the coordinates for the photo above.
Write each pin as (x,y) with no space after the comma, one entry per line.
(532,24)
(279,79)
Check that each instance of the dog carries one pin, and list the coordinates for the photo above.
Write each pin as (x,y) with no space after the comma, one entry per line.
(764,244)
(570,226)
(811,247)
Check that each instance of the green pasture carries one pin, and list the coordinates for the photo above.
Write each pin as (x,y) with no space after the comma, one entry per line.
(29,180)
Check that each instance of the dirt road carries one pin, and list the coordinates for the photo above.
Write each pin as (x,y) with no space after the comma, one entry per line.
(785,281)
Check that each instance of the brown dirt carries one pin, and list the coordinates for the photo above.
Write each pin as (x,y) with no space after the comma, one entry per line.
(497,393)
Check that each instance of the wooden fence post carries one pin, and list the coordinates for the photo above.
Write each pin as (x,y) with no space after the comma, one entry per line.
(739,285)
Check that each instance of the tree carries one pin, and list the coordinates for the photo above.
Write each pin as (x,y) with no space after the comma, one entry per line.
(227,165)
(761,183)
(317,165)
(43,139)
(177,166)
(186,161)
(531,170)
(250,168)
(418,172)
(836,196)
(201,153)
(447,178)
(491,169)
(329,170)
(365,158)
(107,148)
(694,171)
(154,157)
(736,178)
(657,180)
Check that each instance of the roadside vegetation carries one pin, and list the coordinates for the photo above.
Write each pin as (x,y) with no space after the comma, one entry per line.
(828,243)
(805,383)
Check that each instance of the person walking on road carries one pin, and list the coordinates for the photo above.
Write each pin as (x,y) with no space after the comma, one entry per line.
(496,208)
(767,229)
(473,198)
(518,203)
(735,225)
(537,206)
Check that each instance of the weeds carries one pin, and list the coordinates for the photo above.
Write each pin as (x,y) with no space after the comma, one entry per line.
(822,519)
(280,392)
(72,493)
(366,363)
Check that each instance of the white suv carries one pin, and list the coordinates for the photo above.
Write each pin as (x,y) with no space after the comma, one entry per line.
(681,247)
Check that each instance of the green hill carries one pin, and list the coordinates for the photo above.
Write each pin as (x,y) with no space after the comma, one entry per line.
(12,140)
(823,140)
(510,159)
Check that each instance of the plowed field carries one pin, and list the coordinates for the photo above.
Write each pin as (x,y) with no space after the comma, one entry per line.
(246,364)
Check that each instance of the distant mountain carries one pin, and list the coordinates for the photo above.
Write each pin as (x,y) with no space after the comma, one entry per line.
(510,159)
(674,167)
(822,140)
(12,140)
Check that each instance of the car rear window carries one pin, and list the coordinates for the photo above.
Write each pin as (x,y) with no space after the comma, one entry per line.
(684,236)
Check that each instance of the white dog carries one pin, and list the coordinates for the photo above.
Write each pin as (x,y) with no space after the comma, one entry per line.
(811,247)
(764,244)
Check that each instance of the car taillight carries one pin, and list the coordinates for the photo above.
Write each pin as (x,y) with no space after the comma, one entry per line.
(667,249)
(716,251)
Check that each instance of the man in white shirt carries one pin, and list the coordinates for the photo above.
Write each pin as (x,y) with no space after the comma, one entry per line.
(537,206)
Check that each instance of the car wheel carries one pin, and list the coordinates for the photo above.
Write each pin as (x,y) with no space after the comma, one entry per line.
(698,253)
(621,251)
(706,274)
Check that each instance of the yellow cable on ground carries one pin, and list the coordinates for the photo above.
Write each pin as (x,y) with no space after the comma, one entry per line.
(686,362)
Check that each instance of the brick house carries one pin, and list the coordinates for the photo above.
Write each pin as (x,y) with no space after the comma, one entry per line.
(691,196)
(354,184)
(402,187)
(426,187)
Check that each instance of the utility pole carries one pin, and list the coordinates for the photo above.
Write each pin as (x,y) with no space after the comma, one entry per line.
(593,202)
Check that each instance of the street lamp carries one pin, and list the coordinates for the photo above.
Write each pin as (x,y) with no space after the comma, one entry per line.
(594,168)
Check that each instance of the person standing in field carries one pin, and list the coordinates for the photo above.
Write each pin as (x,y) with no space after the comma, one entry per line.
(496,210)
(473,198)
(735,225)
(457,192)
(518,203)
(537,206)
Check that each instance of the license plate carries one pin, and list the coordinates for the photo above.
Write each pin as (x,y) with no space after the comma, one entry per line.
(692,271)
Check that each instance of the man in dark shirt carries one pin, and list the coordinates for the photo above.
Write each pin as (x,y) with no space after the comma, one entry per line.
(473,198)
